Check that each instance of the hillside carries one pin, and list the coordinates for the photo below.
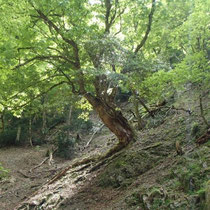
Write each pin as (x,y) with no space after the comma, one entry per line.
(148,174)
(104,104)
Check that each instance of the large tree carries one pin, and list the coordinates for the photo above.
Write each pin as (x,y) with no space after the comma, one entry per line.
(78,44)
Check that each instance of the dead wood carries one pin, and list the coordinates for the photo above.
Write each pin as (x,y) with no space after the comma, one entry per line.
(50,157)
(158,108)
(204,138)
(37,166)
(94,162)
(94,135)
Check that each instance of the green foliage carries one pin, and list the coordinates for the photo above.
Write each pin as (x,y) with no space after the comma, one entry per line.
(56,50)
(157,87)
(195,130)
(79,124)
(3,172)
(7,138)
(193,69)
(134,199)
(65,145)
(121,172)
(85,106)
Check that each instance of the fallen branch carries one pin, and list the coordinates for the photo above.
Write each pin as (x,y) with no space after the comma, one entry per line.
(37,166)
(169,108)
(50,157)
(94,135)
(85,163)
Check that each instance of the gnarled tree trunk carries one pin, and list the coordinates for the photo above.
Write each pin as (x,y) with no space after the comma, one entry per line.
(113,119)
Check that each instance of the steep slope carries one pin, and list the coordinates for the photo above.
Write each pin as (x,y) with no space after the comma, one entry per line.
(148,174)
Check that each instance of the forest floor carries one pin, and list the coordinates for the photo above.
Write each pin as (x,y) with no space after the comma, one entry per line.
(147,175)
(23,180)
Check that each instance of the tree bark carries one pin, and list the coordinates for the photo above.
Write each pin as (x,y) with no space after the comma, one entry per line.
(18,134)
(136,110)
(2,121)
(68,122)
(44,121)
(30,131)
(44,114)
(113,119)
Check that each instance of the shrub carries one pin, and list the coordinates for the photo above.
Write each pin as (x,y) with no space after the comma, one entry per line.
(7,138)
(3,172)
(65,145)
(195,130)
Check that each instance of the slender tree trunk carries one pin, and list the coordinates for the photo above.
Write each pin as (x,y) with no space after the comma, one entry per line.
(44,121)
(145,106)
(44,115)
(136,110)
(113,119)
(18,134)
(30,131)
(68,122)
(2,121)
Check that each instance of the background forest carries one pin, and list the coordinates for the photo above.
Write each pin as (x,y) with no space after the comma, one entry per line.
(67,68)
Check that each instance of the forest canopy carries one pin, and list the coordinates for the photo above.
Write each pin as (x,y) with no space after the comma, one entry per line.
(55,53)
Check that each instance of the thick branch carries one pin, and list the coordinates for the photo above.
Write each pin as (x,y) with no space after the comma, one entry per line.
(71,42)
(143,41)
(110,19)
(108,10)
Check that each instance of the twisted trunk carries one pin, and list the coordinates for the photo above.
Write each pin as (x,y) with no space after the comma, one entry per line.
(113,119)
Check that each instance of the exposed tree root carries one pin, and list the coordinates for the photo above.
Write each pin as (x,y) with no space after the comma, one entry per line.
(87,160)
(49,191)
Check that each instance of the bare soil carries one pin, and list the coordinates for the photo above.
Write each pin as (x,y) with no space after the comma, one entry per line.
(22,182)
